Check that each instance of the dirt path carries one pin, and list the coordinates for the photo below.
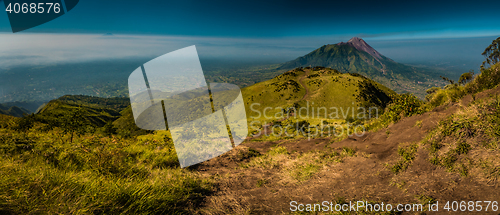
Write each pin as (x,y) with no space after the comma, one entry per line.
(363,177)
(301,82)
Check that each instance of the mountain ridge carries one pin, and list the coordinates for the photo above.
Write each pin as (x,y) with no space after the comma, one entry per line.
(361,45)
(357,56)
(13,111)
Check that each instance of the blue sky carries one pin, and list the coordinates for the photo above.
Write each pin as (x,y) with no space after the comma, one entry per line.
(281,18)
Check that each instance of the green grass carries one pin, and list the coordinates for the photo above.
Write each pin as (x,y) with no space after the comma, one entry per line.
(261,182)
(304,172)
(418,124)
(327,88)
(41,173)
(348,152)
(473,128)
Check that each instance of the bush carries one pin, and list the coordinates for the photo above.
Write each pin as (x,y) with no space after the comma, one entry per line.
(432,90)
(403,105)
(438,99)
(451,93)
(488,79)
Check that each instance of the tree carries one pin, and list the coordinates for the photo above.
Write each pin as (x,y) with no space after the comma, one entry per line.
(74,123)
(25,123)
(466,77)
(452,82)
(492,53)
(430,93)
(432,90)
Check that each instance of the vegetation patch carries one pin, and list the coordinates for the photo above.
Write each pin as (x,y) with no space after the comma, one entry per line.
(402,105)
(407,155)
(43,173)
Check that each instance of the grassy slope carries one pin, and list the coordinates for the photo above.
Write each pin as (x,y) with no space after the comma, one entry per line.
(43,173)
(447,152)
(326,88)
(13,111)
(98,111)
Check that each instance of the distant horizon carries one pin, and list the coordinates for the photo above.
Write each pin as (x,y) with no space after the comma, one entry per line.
(35,49)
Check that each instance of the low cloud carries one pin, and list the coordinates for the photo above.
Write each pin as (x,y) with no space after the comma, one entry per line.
(47,49)
(27,49)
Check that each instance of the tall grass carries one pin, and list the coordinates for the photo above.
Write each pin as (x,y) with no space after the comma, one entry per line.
(43,174)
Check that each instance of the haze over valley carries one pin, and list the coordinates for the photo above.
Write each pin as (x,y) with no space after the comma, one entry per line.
(99,65)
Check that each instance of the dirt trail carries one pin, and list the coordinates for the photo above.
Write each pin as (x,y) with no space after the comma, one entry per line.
(301,82)
(364,177)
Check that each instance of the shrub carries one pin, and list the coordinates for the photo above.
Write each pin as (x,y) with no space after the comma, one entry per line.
(488,79)
(432,90)
(438,99)
(403,105)
(457,126)
(407,156)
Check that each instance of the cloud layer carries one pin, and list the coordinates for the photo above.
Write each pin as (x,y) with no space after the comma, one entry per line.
(49,49)
(45,49)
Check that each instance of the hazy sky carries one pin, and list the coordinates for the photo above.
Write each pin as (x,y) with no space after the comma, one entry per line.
(264,31)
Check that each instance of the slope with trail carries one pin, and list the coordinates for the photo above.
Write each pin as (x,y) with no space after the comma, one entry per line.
(366,176)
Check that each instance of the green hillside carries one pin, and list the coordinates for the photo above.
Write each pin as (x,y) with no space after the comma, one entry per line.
(13,111)
(126,126)
(97,111)
(313,89)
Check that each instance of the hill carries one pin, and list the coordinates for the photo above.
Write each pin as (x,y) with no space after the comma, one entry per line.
(98,111)
(315,88)
(13,111)
(310,88)
(31,107)
(356,56)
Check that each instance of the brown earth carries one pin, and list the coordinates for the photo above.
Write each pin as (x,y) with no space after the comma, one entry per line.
(363,177)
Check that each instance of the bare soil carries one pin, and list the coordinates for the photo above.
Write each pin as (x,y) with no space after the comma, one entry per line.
(363,177)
